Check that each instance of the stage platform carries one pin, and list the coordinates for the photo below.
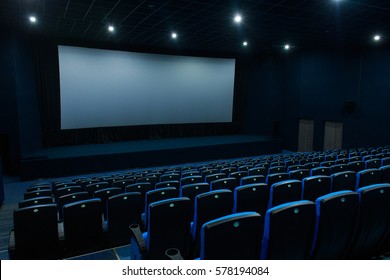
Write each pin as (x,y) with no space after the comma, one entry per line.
(75,160)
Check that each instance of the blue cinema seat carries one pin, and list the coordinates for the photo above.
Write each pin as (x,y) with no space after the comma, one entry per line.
(83,230)
(289,231)
(345,180)
(252,197)
(168,227)
(315,186)
(373,225)
(209,206)
(336,219)
(123,210)
(232,237)
(35,234)
(285,191)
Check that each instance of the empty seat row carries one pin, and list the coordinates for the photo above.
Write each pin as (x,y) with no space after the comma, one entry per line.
(341,225)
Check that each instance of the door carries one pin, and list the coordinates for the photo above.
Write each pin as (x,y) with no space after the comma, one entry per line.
(333,135)
(305,135)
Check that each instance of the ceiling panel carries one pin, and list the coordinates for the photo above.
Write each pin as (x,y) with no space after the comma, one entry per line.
(205,25)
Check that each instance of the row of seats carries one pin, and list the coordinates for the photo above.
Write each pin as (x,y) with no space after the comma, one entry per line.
(205,174)
(340,225)
(83,227)
(279,185)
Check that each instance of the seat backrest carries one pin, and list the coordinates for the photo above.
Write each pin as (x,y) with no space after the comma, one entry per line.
(209,206)
(372,163)
(148,179)
(122,184)
(165,184)
(142,188)
(356,166)
(295,167)
(168,227)
(336,215)
(38,188)
(289,231)
(368,177)
(228,170)
(170,177)
(224,183)
(285,191)
(276,177)
(70,198)
(327,163)
(385,161)
(338,168)
(208,171)
(322,170)
(245,167)
(68,190)
(160,194)
(345,180)
(62,184)
(315,186)
(104,194)
(299,174)
(191,180)
(311,165)
(385,173)
(35,201)
(373,221)
(157,195)
(38,193)
(215,176)
(36,232)
(190,173)
(238,175)
(83,231)
(192,190)
(252,197)
(277,169)
(123,210)
(253,179)
(91,188)
(232,237)
(257,171)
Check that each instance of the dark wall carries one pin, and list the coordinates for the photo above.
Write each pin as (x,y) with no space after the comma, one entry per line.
(316,85)
(20,123)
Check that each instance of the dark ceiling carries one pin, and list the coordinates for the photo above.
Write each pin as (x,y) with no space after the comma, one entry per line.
(205,25)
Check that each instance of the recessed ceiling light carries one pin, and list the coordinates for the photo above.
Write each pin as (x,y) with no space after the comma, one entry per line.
(245,43)
(287,47)
(237,18)
(377,37)
(174,35)
(111,28)
(32,19)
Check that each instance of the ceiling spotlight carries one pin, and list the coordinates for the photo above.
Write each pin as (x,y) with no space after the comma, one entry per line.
(174,35)
(32,19)
(245,43)
(237,18)
(377,38)
(287,47)
(111,28)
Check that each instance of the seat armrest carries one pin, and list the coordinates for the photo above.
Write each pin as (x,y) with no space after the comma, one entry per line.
(138,244)
(11,245)
(173,254)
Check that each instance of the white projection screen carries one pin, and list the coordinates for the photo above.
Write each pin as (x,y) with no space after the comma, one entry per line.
(106,88)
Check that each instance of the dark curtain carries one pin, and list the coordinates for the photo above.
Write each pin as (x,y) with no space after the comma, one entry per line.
(48,90)
(46,56)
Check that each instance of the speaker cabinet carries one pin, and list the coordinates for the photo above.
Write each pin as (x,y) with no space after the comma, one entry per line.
(349,106)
